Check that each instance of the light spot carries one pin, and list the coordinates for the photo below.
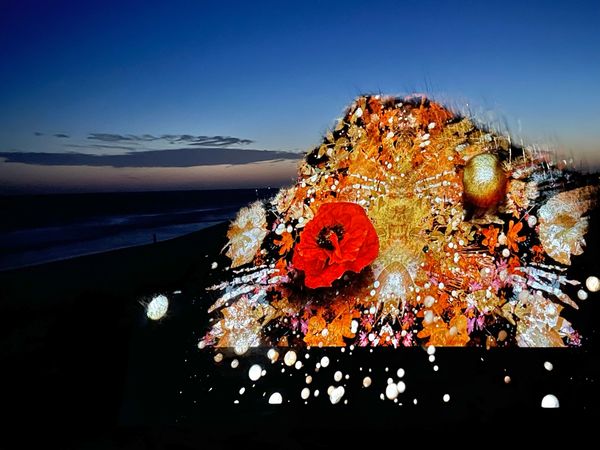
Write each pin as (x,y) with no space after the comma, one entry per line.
(157,308)
(592,284)
(234,364)
(336,394)
(400,373)
(290,358)
(431,350)
(273,355)
(431,358)
(218,357)
(391,391)
(401,387)
(337,376)
(550,401)
(308,379)
(275,399)
(548,366)
(582,295)
(507,379)
(214,265)
(367,382)
(305,393)
(255,372)
(446,398)
(324,361)
(298,365)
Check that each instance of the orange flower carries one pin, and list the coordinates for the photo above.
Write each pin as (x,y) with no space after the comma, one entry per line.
(512,237)
(491,237)
(285,243)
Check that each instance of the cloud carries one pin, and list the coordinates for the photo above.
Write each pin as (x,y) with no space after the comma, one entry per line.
(61,135)
(37,133)
(101,146)
(176,139)
(182,157)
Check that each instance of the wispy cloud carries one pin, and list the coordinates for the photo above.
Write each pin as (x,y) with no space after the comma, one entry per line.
(182,157)
(61,135)
(178,139)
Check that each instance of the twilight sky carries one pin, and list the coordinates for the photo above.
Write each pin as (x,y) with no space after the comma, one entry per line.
(108,96)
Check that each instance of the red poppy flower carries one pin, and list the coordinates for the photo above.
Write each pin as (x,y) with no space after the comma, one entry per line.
(338,239)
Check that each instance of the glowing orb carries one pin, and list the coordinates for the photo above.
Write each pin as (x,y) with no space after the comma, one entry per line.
(484,181)
(550,401)
(157,308)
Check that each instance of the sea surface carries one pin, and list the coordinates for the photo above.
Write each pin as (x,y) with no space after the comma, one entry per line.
(35,229)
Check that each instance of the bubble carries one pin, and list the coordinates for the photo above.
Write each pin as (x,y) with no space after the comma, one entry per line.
(218,357)
(275,399)
(305,393)
(324,361)
(234,364)
(255,372)
(431,358)
(273,355)
(336,394)
(157,308)
(548,366)
(290,358)
(550,401)
(308,379)
(446,398)
(401,387)
(367,382)
(337,376)
(391,391)
(242,390)
(400,373)
(507,379)
(592,284)
(431,350)
(582,295)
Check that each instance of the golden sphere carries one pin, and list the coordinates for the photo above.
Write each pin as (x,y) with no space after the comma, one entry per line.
(484,181)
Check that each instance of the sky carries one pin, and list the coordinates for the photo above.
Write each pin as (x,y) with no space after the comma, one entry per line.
(111,96)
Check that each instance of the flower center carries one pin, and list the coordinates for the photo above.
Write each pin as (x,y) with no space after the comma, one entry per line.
(324,236)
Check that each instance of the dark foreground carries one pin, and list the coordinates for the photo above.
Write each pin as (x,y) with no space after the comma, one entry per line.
(82,366)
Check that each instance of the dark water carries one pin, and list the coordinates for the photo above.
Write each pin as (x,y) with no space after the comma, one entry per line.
(41,228)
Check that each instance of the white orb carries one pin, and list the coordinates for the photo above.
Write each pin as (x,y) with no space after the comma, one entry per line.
(157,308)
(592,284)
(550,401)
(275,399)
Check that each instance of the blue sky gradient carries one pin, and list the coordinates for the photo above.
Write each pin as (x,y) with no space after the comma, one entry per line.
(280,73)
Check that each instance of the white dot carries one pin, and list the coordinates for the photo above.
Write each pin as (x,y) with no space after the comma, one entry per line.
(548,366)
(582,295)
(367,382)
(290,358)
(298,365)
(431,358)
(157,308)
(430,350)
(401,387)
(214,265)
(305,393)
(336,395)
(273,354)
(255,372)
(550,401)
(400,373)
(592,284)
(507,379)
(446,398)
(324,361)
(308,379)
(218,357)
(234,364)
(242,390)
(337,376)
(391,391)
(275,398)
(435,368)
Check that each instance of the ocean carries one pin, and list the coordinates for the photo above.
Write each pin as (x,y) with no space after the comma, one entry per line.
(36,229)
